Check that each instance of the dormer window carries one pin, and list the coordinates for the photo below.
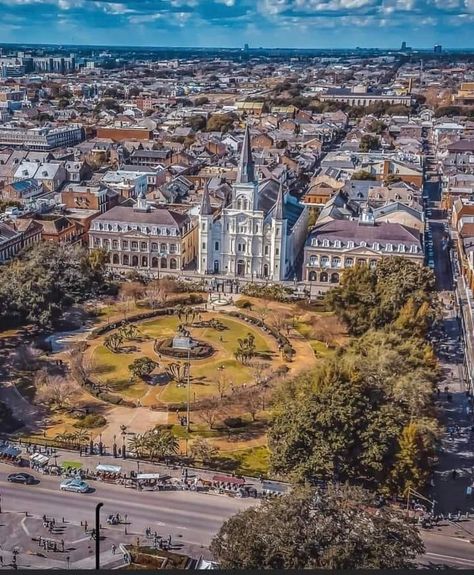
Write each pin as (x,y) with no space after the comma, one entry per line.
(363,244)
(413,249)
(325,243)
(376,246)
(314,242)
(350,244)
(401,247)
(337,244)
(388,248)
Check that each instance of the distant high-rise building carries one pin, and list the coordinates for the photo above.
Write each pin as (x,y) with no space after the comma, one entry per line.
(246,47)
(438,49)
(404,46)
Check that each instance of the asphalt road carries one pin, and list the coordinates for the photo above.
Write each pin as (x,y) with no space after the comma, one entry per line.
(452,551)
(193,517)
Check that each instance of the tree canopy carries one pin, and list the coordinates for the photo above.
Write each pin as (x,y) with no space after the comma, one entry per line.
(372,298)
(338,528)
(348,419)
(47,278)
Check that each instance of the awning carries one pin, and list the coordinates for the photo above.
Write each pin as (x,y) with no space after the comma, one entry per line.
(108,468)
(39,459)
(227,479)
(274,487)
(9,450)
(148,476)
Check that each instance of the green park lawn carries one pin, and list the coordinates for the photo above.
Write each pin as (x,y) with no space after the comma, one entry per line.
(112,368)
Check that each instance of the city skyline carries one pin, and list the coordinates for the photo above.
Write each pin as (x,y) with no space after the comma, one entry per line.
(232,23)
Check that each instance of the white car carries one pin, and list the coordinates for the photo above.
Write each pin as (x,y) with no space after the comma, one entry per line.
(75,485)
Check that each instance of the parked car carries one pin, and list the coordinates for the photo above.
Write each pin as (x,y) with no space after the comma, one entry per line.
(75,485)
(24,478)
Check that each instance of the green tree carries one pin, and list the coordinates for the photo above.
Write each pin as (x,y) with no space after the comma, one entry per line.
(220,122)
(363,175)
(369,142)
(113,342)
(142,367)
(340,528)
(415,456)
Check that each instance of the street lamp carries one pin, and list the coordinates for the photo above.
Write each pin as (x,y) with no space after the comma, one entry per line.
(97,535)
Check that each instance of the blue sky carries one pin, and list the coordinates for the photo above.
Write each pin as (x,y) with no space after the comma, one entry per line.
(231,23)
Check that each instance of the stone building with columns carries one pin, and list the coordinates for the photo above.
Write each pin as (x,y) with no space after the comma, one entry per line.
(337,245)
(152,241)
(259,234)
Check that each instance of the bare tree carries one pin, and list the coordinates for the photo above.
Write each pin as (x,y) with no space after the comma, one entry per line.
(55,391)
(282,321)
(157,291)
(252,404)
(222,384)
(209,413)
(258,369)
(263,311)
(326,329)
(26,357)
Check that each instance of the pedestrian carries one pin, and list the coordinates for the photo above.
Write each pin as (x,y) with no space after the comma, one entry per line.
(113,549)
(1,559)
(169,540)
(62,544)
(454,474)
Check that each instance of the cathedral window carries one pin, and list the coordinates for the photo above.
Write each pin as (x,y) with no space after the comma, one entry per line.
(277,251)
(216,246)
(203,245)
(266,250)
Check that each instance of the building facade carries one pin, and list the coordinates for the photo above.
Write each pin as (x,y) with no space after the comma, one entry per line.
(149,240)
(257,235)
(340,244)
(41,138)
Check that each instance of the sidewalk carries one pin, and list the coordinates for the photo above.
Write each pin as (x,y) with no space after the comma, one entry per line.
(129,464)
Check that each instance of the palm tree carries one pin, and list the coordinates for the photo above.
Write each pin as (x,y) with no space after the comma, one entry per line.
(65,437)
(81,436)
(137,444)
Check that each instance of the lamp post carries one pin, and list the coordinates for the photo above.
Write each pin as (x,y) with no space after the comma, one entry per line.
(97,535)
(124,433)
(188,397)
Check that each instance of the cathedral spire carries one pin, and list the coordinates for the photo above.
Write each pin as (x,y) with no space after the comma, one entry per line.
(279,204)
(246,171)
(206,209)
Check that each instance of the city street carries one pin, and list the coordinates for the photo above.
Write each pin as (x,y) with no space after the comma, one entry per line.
(190,518)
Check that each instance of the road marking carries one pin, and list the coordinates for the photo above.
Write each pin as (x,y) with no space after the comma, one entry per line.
(457,559)
(81,540)
(24,527)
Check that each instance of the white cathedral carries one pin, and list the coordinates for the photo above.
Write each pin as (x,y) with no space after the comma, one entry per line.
(259,234)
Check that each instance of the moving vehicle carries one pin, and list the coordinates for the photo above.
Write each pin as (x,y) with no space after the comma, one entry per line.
(75,485)
(24,478)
